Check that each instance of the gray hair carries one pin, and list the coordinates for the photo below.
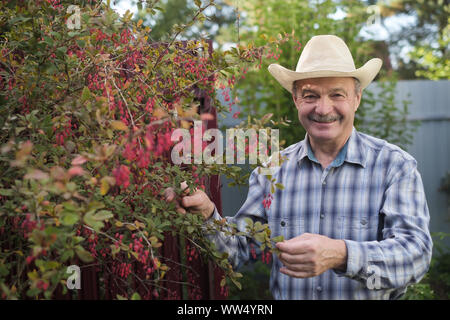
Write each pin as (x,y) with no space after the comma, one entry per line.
(357,87)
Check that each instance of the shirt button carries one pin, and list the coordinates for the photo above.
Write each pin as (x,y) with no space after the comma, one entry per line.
(319,289)
(363,221)
(282,223)
(322,216)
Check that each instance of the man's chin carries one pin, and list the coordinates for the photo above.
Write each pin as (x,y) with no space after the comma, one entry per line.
(323,131)
(325,128)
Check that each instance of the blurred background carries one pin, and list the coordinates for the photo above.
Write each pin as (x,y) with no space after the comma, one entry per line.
(408,104)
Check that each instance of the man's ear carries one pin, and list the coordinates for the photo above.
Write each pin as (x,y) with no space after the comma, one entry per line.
(358,100)
(295,99)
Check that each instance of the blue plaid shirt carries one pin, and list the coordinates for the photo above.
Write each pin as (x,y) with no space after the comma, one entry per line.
(368,178)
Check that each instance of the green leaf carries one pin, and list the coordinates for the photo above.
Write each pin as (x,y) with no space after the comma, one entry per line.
(33,292)
(103,215)
(62,50)
(83,254)
(73,33)
(237,283)
(259,226)
(190,229)
(3,270)
(249,222)
(69,219)
(278,239)
(86,94)
(67,255)
(260,237)
(279,186)
(6,192)
(135,296)
(90,221)
(81,43)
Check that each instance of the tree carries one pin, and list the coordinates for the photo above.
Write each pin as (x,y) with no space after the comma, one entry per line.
(168,13)
(428,36)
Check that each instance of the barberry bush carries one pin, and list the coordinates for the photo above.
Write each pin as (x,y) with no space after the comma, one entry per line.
(88,108)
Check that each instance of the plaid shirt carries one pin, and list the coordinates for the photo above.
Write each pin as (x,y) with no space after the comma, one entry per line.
(368,178)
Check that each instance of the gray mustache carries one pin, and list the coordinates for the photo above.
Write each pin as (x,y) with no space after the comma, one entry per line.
(327,118)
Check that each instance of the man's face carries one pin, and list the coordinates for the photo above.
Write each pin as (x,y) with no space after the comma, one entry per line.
(326,108)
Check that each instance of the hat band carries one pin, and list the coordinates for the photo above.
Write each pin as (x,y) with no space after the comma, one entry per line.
(341,68)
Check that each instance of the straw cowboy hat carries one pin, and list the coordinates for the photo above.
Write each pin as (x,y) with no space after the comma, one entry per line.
(326,56)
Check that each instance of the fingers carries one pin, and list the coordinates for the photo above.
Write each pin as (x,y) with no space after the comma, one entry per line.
(296,256)
(297,266)
(184,187)
(293,246)
(295,274)
(287,258)
(169,194)
(197,202)
(304,266)
(194,200)
(180,209)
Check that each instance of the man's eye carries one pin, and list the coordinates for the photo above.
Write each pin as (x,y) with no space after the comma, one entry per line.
(309,97)
(337,95)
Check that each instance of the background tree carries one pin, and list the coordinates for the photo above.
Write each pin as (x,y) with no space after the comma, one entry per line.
(163,15)
(427,36)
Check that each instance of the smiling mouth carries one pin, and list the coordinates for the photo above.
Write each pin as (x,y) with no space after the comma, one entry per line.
(328,121)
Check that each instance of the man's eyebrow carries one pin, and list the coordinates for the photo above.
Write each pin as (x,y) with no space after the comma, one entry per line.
(305,91)
(339,89)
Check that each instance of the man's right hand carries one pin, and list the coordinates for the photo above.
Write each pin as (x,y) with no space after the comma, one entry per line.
(198,202)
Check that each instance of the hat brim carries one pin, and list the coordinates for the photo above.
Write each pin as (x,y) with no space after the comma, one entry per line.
(365,74)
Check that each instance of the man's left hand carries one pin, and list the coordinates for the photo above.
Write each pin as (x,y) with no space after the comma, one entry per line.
(310,255)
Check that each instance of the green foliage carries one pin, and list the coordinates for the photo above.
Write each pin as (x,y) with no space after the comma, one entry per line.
(380,116)
(434,61)
(427,34)
(165,14)
(255,284)
(436,283)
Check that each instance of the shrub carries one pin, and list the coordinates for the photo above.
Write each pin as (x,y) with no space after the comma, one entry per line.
(86,121)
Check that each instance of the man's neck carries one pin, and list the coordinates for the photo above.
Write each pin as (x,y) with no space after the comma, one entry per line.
(326,151)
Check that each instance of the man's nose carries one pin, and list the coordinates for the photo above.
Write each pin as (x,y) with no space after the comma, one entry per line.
(324,106)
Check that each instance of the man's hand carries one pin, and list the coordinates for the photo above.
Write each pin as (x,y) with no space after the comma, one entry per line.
(310,255)
(198,202)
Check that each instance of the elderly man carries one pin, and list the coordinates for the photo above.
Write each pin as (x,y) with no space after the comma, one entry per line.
(353,209)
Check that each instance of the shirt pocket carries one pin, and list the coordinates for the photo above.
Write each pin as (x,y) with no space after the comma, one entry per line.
(364,227)
(287,227)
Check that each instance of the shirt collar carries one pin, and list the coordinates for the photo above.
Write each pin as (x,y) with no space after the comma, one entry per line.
(353,151)
(357,150)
